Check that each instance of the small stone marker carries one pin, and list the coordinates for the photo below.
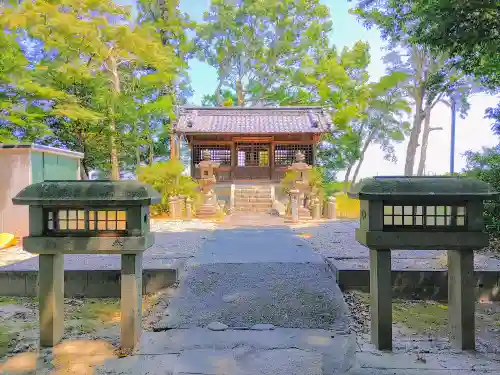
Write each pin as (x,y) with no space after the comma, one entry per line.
(423,213)
(294,200)
(88,217)
(332,208)
(217,326)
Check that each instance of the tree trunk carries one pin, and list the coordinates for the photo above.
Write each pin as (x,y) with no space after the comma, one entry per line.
(425,142)
(84,172)
(416,129)
(115,168)
(347,175)
(151,149)
(218,93)
(138,156)
(368,141)
(239,93)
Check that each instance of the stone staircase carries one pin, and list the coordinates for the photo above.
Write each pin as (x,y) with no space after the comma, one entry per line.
(253,198)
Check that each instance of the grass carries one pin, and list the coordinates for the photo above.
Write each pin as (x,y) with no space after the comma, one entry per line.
(9,301)
(418,316)
(6,336)
(421,316)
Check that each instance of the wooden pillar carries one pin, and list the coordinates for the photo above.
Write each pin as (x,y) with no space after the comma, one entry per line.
(131,300)
(51,298)
(271,160)
(313,156)
(461,299)
(234,159)
(381,298)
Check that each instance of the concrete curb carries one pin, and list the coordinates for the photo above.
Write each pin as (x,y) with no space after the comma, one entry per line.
(86,283)
(420,284)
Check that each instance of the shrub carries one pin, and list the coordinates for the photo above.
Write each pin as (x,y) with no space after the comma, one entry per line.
(485,166)
(167,179)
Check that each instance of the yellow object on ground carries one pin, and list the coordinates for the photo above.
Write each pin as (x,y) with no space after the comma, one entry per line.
(347,208)
(7,240)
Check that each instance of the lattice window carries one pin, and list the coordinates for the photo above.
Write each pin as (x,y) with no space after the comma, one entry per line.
(69,220)
(109,220)
(253,154)
(284,155)
(218,153)
(422,217)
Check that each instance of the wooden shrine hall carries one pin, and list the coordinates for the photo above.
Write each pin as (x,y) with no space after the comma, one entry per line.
(251,144)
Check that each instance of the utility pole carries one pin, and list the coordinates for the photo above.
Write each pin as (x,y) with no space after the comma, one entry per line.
(453,125)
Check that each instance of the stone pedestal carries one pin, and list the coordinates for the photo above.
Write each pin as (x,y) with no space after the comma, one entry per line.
(172,205)
(294,202)
(381,298)
(51,298)
(209,207)
(181,206)
(316,209)
(461,299)
(131,301)
(189,208)
(331,208)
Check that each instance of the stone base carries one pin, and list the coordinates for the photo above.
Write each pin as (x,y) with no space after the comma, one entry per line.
(206,211)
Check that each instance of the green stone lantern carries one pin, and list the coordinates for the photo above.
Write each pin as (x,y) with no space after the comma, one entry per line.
(406,213)
(88,217)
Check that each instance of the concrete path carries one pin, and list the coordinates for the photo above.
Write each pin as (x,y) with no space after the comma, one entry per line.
(254,301)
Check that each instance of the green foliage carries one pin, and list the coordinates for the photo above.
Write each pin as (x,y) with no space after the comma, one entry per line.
(315,178)
(485,166)
(111,69)
(256,46)
(167,179)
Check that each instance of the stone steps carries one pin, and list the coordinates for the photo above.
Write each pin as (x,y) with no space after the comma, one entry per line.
(253,199)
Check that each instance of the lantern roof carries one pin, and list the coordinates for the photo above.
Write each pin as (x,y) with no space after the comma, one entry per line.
(85,192)
(397,187)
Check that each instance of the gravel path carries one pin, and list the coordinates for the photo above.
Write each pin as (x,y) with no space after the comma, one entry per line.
(336,241)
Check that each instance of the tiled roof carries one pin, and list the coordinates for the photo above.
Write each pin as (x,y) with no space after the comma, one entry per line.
(253,120)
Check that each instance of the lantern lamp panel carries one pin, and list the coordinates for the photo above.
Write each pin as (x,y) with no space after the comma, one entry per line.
(81,220)
(423,217)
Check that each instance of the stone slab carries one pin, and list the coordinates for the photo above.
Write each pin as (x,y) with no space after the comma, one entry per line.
(253,245)
(237,352)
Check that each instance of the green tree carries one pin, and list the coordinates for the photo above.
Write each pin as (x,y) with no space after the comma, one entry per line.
(95,41)
(363,112)
(467,31)
(25,100)
(256,46)
(431,77)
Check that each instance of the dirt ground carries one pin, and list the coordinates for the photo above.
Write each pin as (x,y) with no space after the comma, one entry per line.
(422,326)
(92,334)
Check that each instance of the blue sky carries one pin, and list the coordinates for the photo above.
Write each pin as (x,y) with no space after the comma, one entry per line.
(473,132)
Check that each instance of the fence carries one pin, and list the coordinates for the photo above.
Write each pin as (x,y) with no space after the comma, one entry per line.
(347,208)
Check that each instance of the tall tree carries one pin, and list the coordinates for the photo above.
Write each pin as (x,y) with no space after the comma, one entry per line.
(25,100)
(257,45)
(95,40)
(468,31)
(431,76)
(363,112)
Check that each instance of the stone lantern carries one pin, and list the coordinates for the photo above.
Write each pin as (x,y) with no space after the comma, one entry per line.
(207,180)
(88,217)
(300,186)
(423,213)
